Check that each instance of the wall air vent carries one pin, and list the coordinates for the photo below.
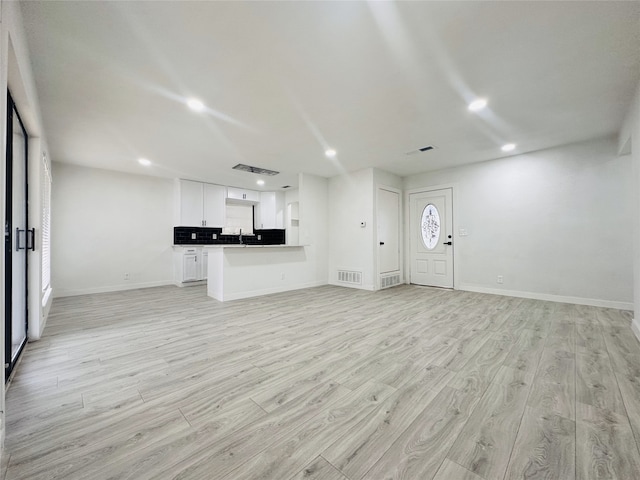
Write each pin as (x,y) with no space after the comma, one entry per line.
(421,150)
(350,276)
(258,170)
(389,280)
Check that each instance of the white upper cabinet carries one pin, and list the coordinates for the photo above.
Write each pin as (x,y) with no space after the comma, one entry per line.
(240,194)
(201,204)
(213,205)
(270,211)
(191,204)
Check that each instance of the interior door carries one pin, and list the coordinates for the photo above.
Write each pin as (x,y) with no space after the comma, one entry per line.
(431,245)
(388,231)
(17,239)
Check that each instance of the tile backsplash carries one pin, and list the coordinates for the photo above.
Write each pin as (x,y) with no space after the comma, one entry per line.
(214,236)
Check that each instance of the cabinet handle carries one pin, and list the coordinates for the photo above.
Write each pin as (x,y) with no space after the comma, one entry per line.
(18,247)
(205,223)
(31,234)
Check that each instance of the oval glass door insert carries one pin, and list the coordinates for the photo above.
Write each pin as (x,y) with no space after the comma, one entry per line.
(430,226)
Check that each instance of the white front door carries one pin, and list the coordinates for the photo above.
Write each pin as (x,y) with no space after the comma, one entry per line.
(388,231)
(431,230)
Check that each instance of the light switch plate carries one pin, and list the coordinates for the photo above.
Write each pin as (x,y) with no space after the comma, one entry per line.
(463,232)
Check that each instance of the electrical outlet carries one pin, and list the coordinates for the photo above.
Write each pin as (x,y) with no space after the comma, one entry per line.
(126,276)
(500,279)
(214,236)
(259,237)
(193,236)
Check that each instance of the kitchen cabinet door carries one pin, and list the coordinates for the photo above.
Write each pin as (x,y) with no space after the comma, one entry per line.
(213,205)
(191,204)
(266,211)
(252,196)
(190,271)
(204,264)
(270,212)
(234,193)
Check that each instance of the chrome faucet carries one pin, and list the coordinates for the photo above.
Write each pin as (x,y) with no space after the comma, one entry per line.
(240,236)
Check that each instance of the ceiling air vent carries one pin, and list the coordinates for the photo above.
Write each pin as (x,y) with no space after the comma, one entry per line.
(421,150)
(258,170)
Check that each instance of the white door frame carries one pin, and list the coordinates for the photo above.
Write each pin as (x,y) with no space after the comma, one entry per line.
(454,229)
(401,262)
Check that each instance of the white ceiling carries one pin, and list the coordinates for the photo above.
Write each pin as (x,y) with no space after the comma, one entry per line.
(285,80)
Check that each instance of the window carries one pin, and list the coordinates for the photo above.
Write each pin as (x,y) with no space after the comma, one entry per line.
(46,225)
(430,226)
(239,217)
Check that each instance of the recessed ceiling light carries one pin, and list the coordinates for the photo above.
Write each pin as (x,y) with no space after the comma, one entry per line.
(144,161)
(195,105)
(508,147)
(260,182)
(477,105)
(330,153)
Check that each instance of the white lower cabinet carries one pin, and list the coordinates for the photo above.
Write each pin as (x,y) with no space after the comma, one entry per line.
(189,265)
(190,270)
(204,264)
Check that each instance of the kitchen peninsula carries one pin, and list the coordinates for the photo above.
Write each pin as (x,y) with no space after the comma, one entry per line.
(241,271)
(245,243)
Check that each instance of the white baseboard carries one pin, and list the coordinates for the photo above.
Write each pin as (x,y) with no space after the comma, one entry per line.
(635,327)
(61,292)
(190,284)
(370,288)
(594,302)
(268,291)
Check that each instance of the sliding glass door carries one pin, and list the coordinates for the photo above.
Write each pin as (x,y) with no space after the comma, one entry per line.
(18,239)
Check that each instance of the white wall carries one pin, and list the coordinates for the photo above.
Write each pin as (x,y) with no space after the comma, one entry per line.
(629,141)
(106,224)
(557,224)
(386,179)
(292,231)
(351,200)
(313,195)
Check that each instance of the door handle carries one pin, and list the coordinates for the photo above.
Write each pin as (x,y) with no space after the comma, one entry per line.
(18,247)
(447,243)
(381,243)
(31,233)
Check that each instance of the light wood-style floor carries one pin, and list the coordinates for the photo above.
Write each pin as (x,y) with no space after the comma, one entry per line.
(326,383)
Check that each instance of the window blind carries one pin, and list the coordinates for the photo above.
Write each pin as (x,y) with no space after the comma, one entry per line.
(46,225)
